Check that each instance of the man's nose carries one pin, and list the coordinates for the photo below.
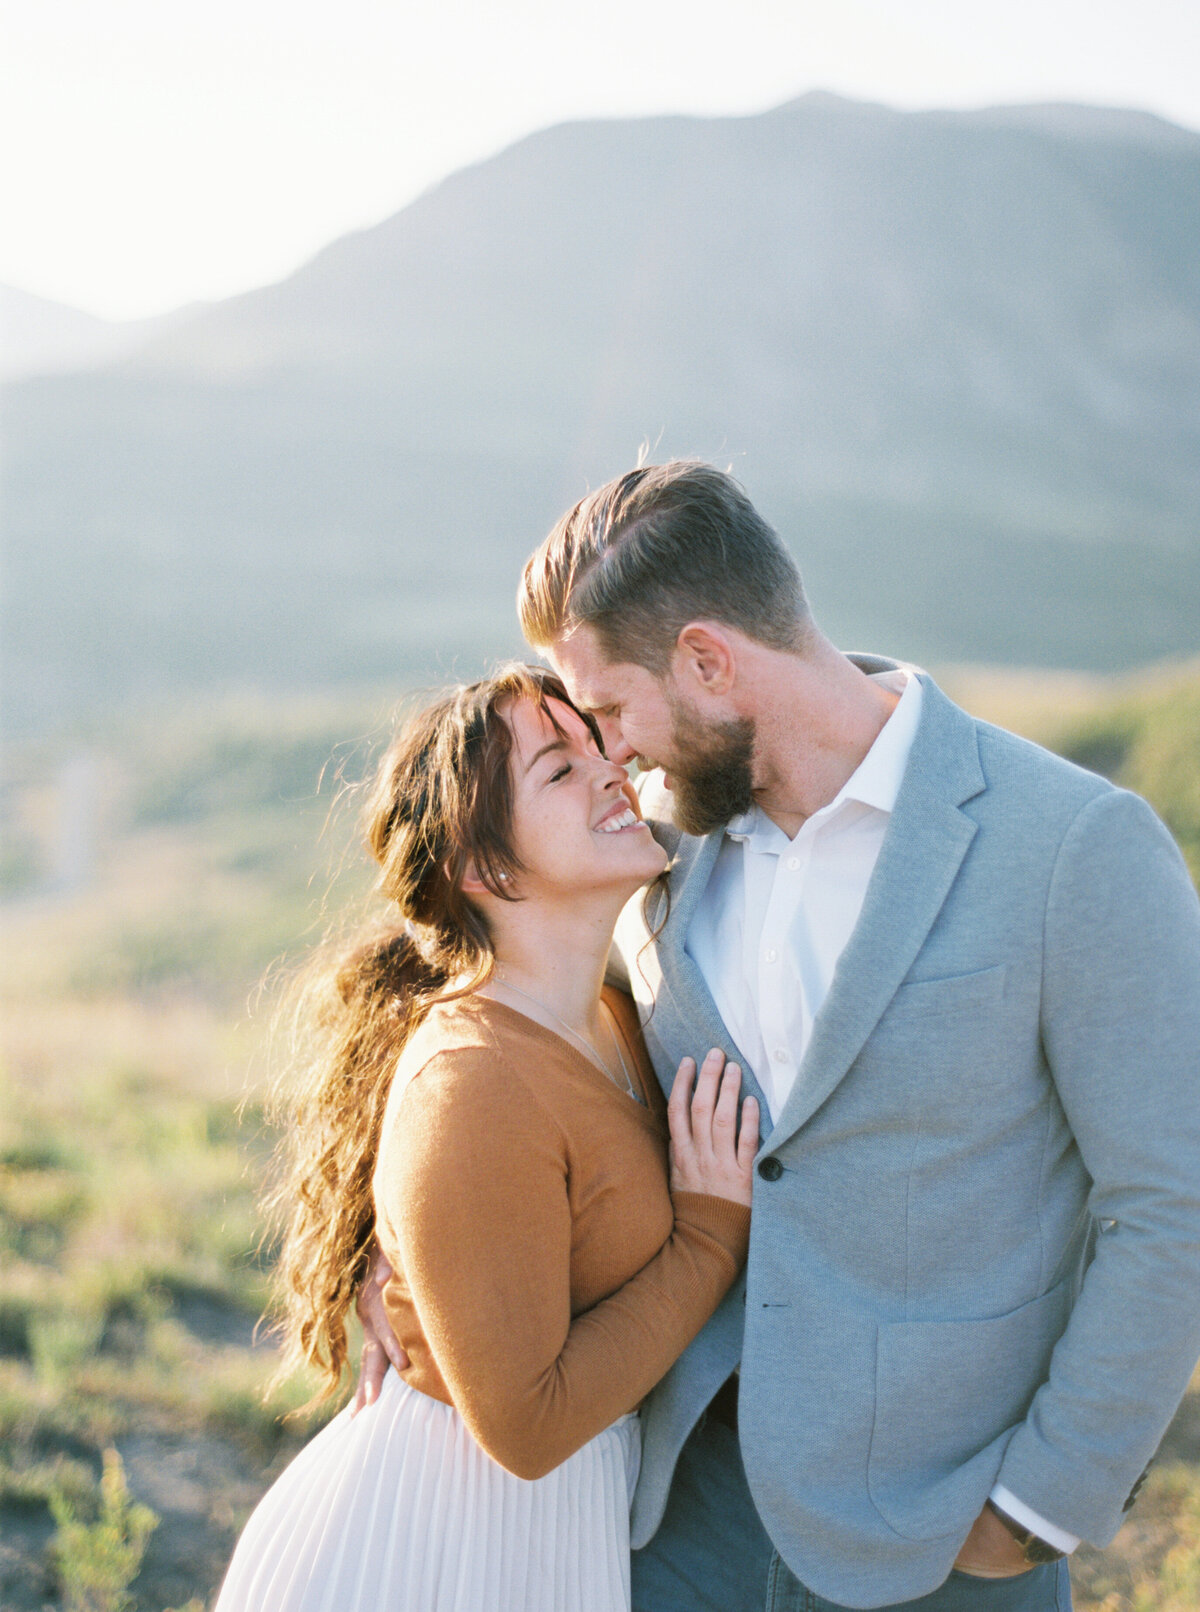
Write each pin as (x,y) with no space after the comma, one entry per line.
(614,775)
(616,747)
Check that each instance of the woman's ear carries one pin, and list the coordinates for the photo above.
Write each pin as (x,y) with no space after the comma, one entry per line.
(473,885)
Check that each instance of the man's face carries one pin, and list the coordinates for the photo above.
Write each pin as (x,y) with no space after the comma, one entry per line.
(708,764)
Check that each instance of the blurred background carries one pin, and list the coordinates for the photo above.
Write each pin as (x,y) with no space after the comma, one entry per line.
(314,319)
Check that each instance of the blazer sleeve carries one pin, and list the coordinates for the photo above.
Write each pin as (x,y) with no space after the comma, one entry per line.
(476,1192)
(1121,1032)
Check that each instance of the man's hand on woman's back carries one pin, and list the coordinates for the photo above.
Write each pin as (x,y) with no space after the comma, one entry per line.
(380,1344)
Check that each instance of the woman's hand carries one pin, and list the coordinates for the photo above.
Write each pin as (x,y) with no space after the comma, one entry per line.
(709,1153)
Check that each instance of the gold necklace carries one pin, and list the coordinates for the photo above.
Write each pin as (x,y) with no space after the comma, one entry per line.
(578,1036)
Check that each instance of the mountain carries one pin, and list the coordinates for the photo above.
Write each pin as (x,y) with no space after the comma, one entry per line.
(955,356)
(42,337)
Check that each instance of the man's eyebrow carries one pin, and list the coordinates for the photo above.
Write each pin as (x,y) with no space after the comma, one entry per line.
(555,744)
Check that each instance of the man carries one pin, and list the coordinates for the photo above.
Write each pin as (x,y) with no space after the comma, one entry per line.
(963,979)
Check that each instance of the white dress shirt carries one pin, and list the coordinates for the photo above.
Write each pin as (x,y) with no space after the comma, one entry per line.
(775,917)
(776,913)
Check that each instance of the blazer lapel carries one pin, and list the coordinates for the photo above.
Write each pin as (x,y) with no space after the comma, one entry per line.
(923,848)
(693,1000)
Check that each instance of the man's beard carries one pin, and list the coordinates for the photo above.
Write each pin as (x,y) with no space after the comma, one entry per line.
(711,770)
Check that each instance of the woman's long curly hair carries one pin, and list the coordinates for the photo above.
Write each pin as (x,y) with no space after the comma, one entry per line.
(442,798)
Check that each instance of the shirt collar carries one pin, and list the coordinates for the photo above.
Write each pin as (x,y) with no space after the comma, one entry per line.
(875,781)
(877,778)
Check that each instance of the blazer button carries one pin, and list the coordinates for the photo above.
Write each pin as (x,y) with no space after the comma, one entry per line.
(770,1169)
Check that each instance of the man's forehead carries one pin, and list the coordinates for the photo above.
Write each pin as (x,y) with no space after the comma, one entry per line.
(581,664)
(592,680)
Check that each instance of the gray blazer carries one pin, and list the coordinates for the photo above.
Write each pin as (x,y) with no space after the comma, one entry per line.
(975,1250)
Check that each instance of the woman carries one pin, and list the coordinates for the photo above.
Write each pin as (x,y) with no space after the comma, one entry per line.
(545,1272)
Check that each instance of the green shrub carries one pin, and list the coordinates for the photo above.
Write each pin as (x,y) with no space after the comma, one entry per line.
(32,1483)
(98,1548)
(1149,741)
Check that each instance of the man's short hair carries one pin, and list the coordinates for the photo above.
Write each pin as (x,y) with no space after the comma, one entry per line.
(658,547)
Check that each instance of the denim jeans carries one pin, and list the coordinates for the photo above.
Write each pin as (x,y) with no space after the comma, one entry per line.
(712,1553)
(1042,1589)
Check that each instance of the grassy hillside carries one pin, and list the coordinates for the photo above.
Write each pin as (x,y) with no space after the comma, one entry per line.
(131,1139)
(204,847)
(1149,740)
(1143,731)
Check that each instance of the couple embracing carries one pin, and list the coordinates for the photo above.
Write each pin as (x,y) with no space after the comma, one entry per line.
(890,1302)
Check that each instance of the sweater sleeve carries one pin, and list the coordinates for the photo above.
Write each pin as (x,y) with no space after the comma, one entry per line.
(473,1183)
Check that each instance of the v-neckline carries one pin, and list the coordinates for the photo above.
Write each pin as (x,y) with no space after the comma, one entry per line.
(641,1104)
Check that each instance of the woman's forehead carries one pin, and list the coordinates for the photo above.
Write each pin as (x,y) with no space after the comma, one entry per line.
(534,725)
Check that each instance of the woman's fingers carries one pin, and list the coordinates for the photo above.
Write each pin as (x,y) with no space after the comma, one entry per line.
(679,1106)
(724,1120)
(747,1145)
(710,1152)
(704,1098)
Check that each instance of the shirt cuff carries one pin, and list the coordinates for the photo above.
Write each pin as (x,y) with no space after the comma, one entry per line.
(1028,1518)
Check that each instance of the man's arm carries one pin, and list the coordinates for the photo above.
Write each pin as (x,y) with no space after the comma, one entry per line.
(1121,1031)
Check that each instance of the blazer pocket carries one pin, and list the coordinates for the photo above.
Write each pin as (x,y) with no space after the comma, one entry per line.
(947,1396)
(953,993)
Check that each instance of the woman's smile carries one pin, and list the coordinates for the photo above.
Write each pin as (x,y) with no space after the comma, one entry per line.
(619,819)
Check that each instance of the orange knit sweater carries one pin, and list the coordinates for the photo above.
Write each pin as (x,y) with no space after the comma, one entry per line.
(545,1277)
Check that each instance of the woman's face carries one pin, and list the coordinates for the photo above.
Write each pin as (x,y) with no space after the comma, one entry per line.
(575,823)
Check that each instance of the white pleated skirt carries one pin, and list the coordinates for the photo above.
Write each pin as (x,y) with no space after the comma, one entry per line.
(399,1510)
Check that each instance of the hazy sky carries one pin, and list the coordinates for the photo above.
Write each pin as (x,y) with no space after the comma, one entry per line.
(162,151)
